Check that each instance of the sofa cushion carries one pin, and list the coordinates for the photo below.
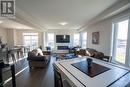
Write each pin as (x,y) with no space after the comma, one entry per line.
(39,51)
(87,53)
(32,53)
(37,58)
(91,51)
(83,52)
(98,55)
(35,52)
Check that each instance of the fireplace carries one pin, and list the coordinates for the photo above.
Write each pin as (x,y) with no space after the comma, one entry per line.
(62,47)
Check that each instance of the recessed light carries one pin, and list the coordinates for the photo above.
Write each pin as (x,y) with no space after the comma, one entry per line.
(63,23)
(1,22)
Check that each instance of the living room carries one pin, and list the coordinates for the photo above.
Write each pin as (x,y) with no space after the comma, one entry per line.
(44,44)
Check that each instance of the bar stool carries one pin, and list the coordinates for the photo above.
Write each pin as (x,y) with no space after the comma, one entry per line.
(11,54)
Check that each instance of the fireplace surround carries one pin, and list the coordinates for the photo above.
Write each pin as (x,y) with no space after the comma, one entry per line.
(62,48)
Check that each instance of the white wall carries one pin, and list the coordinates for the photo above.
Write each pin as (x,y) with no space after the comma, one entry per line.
(61,32)
(3,34)
(11,37)
(105,29)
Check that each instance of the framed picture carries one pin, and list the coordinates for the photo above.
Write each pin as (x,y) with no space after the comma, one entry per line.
(95,37)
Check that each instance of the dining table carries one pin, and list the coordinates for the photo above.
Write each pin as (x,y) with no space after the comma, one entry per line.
(101,73)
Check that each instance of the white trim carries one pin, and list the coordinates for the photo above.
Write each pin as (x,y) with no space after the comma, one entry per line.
(128,47)
(114,41)
(24,17)
(121,18)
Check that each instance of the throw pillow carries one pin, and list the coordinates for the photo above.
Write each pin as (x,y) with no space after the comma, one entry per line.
(39,52)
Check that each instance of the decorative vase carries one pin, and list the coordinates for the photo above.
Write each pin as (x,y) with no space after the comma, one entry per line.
(89,61)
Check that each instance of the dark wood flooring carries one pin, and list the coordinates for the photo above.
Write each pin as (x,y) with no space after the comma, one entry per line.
(37,77)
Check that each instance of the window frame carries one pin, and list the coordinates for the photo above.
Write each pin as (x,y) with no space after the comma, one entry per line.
(114,37)
(31,34)
(83,40)
(48,39)
(74,39)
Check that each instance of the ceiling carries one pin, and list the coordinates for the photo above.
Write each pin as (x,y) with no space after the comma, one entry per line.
(10,24)
(49,13)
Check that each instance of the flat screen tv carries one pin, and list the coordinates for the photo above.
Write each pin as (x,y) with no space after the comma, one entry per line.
(62,38)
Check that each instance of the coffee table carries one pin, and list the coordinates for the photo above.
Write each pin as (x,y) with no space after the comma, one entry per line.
(65,56)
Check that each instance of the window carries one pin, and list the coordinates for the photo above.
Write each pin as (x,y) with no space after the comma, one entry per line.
(50,40)
(76,40)
(121,46)
(31,40)
(84,40)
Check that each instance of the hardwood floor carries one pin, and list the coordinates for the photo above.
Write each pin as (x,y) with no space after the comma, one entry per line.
(37,77)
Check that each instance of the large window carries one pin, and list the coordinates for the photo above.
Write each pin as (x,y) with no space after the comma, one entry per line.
(50,40)
(84,39)
(121,47)
(76,39)
(31,40)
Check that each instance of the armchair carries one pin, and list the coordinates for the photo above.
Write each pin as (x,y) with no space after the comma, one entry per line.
(37,60)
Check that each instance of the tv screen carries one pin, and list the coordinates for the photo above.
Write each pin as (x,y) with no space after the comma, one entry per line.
(62,38)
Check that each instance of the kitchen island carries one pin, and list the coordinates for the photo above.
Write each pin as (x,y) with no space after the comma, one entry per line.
(101,74)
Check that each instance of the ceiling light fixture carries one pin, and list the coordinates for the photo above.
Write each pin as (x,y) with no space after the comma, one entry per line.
(1,22)
(63,23)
